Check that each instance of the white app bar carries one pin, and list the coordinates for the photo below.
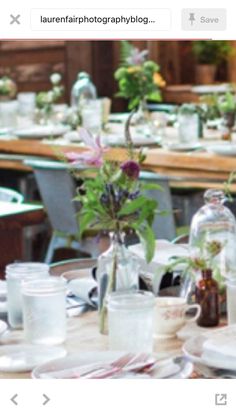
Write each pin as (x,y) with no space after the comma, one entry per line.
(100,20)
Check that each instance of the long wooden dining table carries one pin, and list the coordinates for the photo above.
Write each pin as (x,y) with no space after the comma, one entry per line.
(195,168)
(83,336)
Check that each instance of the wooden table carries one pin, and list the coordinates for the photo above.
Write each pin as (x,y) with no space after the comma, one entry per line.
(83,336)
(194,167)
(13,219)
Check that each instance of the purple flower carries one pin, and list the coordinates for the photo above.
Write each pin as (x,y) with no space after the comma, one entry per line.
(93,157)
(131,169)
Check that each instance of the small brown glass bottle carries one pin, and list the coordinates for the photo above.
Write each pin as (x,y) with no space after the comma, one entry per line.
(207,296)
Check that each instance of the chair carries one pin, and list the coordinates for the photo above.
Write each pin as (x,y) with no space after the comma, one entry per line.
(10,195)
(57,188)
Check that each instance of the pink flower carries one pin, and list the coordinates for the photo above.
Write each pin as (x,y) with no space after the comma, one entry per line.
(137,57)
(93,157)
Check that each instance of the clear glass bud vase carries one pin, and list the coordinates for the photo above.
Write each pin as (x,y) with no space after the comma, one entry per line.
(117,270)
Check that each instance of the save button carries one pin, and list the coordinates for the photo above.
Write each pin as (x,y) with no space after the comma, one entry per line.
(203,19)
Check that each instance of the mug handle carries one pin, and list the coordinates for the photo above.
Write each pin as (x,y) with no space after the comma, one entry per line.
(197,315)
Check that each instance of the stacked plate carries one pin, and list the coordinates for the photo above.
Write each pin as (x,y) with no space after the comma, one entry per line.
(214,353)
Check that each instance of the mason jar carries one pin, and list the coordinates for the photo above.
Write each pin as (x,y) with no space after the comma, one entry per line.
(44,311)
(15,274)
(130,321)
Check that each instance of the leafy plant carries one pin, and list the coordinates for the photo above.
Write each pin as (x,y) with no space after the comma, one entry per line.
(227,103)
(211,52)
(138,78)
(112,199)
(206,259)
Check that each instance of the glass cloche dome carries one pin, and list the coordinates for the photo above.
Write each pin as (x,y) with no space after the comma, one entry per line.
(215,224)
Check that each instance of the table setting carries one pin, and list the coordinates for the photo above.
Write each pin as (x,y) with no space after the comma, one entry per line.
(179,348)
(151,309)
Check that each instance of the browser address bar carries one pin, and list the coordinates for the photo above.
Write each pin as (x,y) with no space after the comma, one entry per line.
(100,19)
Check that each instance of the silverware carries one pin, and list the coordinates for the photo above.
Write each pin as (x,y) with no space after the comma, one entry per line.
(137,363)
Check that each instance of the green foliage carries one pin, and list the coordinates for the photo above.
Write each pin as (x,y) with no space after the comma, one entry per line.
(112,201)
(125,51)
(227,103)
(211,52)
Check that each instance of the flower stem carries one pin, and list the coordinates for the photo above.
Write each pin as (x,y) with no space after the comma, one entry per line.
(110,288)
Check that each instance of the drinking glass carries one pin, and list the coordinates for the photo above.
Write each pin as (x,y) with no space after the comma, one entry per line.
(44,311)
(130,321)
(8,114)
(188,128)
(15,274)
(26,108)
(92,116)
(231,301)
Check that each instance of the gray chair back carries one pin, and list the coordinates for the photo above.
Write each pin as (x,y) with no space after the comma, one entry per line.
(57,189)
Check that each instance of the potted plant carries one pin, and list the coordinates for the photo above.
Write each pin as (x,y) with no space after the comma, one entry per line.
(209,54)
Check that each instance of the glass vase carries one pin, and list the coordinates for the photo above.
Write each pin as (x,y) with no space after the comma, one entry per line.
(117,270)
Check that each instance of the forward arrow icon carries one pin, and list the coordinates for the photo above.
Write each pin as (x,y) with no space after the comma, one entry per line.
(46,399)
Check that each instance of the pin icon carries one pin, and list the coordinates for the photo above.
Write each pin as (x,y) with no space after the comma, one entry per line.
(192,18)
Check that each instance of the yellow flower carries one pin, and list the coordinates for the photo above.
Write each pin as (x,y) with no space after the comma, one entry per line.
(158,80)
(133,69)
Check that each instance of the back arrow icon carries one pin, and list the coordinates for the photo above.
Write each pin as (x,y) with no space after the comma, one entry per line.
(13,399)
(46,399)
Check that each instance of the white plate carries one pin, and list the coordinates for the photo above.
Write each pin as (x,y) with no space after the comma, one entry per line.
(42,131)
(223,149)
(23,358)
(3,327)
(194,349)
(67,367)
(183,147)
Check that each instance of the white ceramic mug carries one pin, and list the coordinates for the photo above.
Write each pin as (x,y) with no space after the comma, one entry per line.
(171,315)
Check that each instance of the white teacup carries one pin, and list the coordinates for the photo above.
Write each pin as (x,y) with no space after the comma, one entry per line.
(171,315)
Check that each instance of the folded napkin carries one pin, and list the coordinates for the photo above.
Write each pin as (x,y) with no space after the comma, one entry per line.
(85,289)
(220,348)
(164,251)
(81,292)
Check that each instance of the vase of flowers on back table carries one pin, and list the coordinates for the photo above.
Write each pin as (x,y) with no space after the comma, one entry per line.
(139,80)
(112,200)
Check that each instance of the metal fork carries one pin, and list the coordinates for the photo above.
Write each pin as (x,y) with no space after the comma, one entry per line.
(127,363)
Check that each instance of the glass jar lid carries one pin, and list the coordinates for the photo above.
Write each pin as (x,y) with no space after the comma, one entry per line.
(131,300)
